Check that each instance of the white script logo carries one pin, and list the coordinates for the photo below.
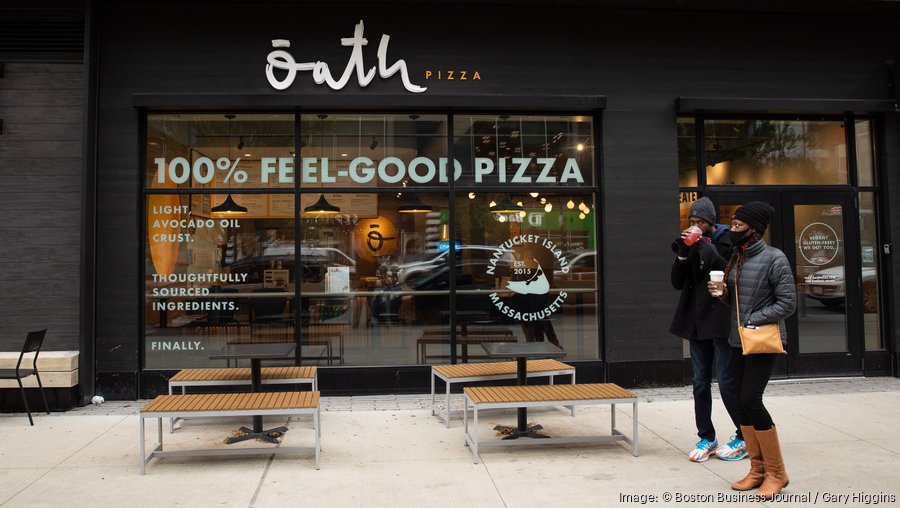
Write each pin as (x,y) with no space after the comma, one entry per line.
(281,59)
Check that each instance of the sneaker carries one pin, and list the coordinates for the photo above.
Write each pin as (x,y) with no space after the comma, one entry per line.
(736,449)
(702,450)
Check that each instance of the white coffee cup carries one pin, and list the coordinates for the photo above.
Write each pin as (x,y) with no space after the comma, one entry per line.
(717,276)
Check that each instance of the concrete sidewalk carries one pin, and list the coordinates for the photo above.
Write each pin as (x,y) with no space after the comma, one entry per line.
(839,437)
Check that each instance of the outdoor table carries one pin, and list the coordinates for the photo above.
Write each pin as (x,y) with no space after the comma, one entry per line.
(256,353)
(522,351)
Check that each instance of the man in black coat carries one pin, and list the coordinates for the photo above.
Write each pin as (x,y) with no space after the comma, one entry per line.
(705,322)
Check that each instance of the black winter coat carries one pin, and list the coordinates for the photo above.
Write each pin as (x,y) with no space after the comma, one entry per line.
(700,316)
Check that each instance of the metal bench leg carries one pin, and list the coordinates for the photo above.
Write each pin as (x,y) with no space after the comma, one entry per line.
(171,420)
(447,409)
(465,419)
(634,429)
(572,407)
(432,393)
(143,449)
(317,430)
(476,438)
(612,417)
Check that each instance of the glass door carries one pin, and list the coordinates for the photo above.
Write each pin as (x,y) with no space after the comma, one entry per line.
(823,248)
(817,233)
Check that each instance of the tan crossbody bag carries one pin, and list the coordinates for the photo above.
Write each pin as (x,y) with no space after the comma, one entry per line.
(757,339)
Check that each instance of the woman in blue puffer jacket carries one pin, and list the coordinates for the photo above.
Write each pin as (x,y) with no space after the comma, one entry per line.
(767,295)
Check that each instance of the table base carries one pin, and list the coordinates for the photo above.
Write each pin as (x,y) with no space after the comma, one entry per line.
(268,436)
(516,433)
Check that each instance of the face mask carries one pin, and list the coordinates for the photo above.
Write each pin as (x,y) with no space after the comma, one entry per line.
(738,238)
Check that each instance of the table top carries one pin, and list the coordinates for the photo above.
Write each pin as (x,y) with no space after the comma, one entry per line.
(522,350)
(254,351)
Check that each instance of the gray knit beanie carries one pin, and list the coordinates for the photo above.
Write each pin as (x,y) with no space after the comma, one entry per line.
(705,209)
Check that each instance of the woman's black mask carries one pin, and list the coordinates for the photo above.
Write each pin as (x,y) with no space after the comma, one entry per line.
(738,238)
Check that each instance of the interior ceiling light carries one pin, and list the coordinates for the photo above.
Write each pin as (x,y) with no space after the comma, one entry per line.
(322,207)
(534,194)
(548,207)
(507,206)
(229,207)
(570,205)
(414,205)
(471,195)
(579,147)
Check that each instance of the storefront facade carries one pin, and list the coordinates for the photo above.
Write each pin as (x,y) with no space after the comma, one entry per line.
(387,191)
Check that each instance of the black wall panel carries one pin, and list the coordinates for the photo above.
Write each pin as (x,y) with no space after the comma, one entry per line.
(640,60)
(40,172)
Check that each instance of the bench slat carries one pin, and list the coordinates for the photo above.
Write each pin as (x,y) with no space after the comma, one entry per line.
(242,374)
(231,402)
(497,368)
(539,393)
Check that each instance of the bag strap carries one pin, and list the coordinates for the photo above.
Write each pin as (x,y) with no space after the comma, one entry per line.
(737,302)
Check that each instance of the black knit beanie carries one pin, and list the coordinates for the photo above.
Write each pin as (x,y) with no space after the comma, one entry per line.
(757,215)
(705,209)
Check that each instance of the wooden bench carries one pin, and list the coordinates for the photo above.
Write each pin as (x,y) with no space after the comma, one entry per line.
(58,369)
(463,341)
(490,397)
(228,405)
(473,372)
(240,376)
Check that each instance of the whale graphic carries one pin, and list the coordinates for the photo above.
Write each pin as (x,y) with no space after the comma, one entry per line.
(536,285)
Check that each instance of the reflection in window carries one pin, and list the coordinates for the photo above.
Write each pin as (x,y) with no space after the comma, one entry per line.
(865,153)
(868,228)
(373,150)
(360,277)
(527,267)
(687,152)
(773,152)
(540,150)
(214,279)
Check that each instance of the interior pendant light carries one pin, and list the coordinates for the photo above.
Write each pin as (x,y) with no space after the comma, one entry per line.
(414,205)
(322,207)
(507,206)
(229,206)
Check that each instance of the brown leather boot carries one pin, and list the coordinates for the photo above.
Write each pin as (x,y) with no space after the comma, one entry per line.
(757,471)
(776,477)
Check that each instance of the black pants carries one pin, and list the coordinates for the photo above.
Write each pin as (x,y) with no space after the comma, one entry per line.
(752,373)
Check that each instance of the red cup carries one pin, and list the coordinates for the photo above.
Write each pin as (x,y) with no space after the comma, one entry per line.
(694,234)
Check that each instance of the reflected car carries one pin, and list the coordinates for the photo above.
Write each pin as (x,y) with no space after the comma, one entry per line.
(411,269)
(582,274)
(827,286)
(314,262)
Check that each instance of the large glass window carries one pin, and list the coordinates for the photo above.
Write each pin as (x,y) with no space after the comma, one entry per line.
(524,150)
(775,152)
(531,269)
(339,237)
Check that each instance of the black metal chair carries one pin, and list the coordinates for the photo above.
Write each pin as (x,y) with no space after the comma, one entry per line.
(33,343)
